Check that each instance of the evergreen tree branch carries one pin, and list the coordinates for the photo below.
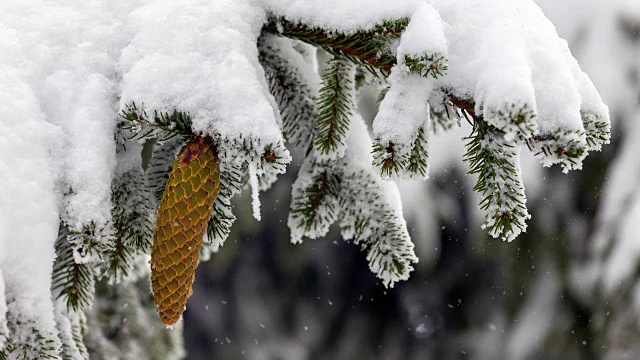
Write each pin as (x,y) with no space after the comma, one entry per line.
(71,281)
(72,327)
(294,96)
(367,48)
(368,218)
(160,166)
(495,161)
(161,125)
(26,340)
(418,163)
(223,218)
(335,106)
(131,213)
(314,200)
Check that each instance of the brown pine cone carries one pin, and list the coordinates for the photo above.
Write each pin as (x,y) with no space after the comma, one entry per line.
(185,210)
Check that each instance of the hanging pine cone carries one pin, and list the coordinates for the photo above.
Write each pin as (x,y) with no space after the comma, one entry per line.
(185,210)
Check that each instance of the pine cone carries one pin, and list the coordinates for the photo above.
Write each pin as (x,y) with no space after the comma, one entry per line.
(185,210)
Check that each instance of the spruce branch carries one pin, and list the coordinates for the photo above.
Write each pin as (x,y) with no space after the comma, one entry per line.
(495,161)
(132,215)
(71,327)
(89,242)
(71,281)
(288,86)
(162,157)
(314,200)
(566,147)
(27,339)
(517,119)
(368,48)
(367,217)
(400,148)
(117,264)
(386,158)
(162,125)
(418,163)
(219,227)
(434,65)
(336,102)
(36,347)
(598,132)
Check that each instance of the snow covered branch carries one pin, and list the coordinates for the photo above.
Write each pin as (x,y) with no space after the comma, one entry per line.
(244,76)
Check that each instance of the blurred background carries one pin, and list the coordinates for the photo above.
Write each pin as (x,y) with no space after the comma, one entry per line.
(567,289)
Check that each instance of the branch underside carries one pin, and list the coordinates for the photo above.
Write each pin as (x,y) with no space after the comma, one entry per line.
(367,48)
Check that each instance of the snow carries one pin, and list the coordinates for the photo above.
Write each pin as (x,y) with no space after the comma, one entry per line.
(517,35)
(424,34)
(201,57)
(66,322)
(29,210)
(341,15)
(89,148)
(403,111)
(600,44)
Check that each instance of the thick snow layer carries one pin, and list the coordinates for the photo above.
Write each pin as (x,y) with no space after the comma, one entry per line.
(201,57)
(72,77)
(29,209)
(403,121)
(341,15)
(602,45)
(403,110)
(424,34)
(506,52)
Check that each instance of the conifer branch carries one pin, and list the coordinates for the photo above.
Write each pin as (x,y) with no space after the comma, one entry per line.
(72,327)
(132,216)
(386,158)
(287,85)
(71,281)
(495,161)
(314,200)
(336,102)
(434,65)
(367,218)
(513,119)
(219,226)
(161,125)
(367,48)
(418,163)
(566,147)
(27,341)
(160,165)
(598,132)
